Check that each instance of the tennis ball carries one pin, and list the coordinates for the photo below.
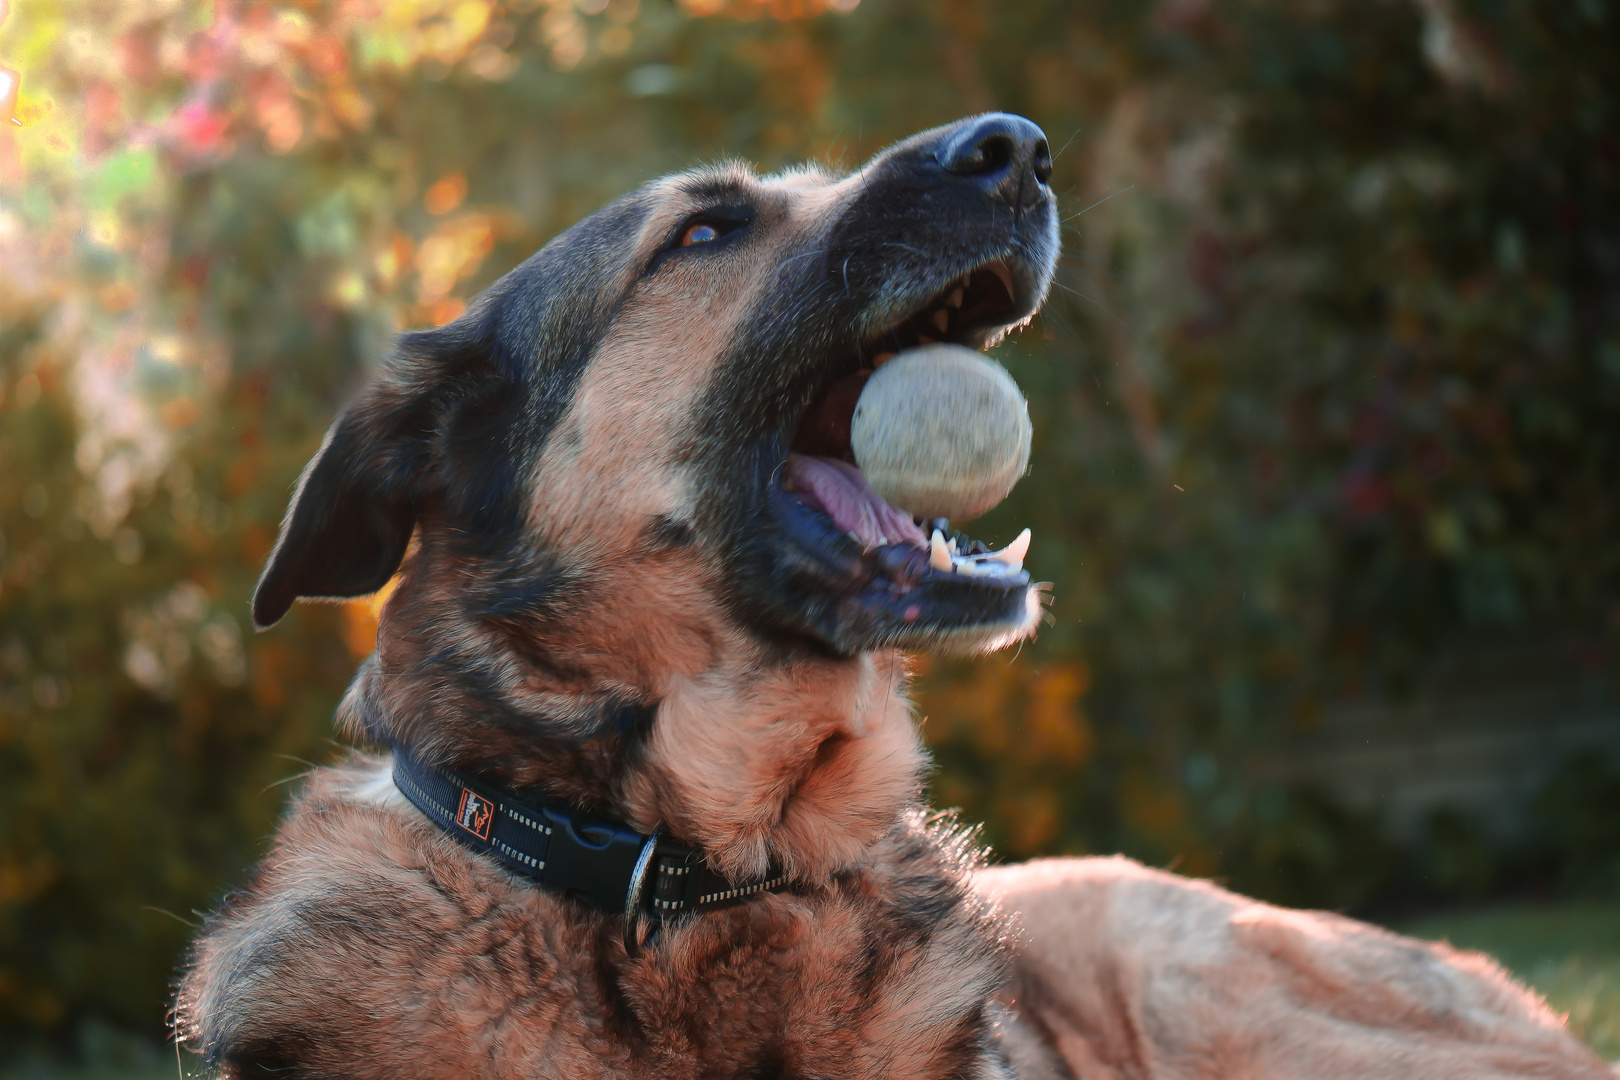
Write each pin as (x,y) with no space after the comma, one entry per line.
(941,431)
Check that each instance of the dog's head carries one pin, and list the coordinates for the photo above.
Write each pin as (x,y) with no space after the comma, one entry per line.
(593,457)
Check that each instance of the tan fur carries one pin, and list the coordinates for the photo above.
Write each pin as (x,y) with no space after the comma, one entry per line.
(1132,973)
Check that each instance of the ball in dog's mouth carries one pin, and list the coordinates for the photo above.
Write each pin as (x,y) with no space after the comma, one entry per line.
(893,453)
(941,431)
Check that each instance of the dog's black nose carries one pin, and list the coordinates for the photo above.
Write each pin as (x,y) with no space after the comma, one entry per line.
(1006,155)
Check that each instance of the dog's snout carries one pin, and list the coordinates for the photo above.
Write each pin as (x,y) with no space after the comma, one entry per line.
(1006,155)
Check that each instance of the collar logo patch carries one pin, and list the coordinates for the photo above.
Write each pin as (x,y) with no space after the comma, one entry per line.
(475,814)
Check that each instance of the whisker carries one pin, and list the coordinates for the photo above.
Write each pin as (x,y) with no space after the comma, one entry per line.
(283,780)
(915,251)
(1066,144)
(1061,322)
(1081,255)
(800,255)
(172,915)
(1100,201)
(1092,300)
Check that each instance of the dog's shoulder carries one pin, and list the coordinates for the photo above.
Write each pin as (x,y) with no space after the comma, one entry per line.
(366,928)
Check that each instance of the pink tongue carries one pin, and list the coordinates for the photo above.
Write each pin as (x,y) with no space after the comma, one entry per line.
(839,490)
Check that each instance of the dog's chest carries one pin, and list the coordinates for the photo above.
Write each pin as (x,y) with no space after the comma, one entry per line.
(371,945)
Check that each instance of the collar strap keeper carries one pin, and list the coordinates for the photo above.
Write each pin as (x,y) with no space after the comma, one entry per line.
(605,864)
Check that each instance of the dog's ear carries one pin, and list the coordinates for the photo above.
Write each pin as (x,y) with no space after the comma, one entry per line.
(353,510)
(356,503)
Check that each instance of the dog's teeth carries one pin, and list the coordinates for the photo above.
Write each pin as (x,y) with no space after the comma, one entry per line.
(942,320)
(853,535)
(955,299)
(1015,551)
(951,543)
(939,557)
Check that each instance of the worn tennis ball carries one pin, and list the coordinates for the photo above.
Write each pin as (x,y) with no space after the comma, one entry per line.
(941,431)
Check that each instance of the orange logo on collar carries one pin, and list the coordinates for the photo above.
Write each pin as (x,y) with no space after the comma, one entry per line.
(475,814)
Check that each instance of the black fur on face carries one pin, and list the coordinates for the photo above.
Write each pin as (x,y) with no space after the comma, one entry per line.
(589,457)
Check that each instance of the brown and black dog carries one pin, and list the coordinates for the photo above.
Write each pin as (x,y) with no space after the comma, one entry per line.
(637,592)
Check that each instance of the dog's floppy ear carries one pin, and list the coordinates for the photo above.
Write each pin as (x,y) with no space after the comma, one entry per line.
(355,505)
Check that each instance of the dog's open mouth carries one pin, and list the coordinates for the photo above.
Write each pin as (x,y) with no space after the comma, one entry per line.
(903,577)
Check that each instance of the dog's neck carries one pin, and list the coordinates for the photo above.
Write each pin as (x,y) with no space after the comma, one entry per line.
(800,762)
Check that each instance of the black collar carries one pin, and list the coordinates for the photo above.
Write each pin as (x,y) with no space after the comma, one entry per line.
(605,864)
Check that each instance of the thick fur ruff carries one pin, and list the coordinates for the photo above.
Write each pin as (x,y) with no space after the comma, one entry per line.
(369,944)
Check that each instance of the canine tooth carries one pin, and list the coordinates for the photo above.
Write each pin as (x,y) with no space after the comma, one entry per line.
(951,544)
(1015,551)
(939,557)
(955,299)
(942,320)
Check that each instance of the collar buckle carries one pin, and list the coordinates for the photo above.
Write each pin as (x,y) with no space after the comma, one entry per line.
(594,858)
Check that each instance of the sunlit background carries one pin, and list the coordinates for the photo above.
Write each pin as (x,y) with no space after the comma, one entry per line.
(1327,412)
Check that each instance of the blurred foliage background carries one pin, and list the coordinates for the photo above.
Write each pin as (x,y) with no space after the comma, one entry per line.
(1329,385)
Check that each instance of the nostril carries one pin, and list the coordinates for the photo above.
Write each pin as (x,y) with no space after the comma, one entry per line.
(1005,156)
(988,156)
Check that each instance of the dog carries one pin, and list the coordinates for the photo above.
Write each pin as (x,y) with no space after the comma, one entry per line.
(649,804)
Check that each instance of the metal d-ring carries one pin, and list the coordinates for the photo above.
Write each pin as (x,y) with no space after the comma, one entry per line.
(638,887)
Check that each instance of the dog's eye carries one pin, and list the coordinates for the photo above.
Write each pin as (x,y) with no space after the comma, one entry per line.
(701,233)
(716,225)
